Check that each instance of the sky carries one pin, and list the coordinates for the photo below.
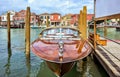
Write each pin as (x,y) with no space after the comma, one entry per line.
(50,6)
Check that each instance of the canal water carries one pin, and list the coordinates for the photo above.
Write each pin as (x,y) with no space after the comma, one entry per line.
(13,62)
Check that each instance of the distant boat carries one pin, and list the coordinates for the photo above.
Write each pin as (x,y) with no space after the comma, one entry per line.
(36,27)
(61,47)
(0,26)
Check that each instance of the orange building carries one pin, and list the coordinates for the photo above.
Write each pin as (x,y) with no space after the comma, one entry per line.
(55,19)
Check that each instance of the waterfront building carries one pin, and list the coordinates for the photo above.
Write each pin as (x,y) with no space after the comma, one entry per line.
(43,18)
(89,17)
(74,19)
(66,20)
(34,19)
(19,18)
(55,19)
(4,18)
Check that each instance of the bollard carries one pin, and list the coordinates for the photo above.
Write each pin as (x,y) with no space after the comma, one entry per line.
(27,31)
(8,30)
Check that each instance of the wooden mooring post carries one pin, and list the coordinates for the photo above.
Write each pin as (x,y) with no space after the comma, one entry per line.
(8,30)
(84,33)
(95,44)
(27,31)
(105,28)
(83,23)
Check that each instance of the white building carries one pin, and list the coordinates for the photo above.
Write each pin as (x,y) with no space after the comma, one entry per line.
(43,18)
(4,17)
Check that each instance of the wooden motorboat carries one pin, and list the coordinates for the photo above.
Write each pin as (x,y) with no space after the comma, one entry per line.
(60,47)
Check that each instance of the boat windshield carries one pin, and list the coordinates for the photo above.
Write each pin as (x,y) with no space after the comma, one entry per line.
(60,33)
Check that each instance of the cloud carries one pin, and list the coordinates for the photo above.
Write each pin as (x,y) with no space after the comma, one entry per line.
(41,6)
(30,1)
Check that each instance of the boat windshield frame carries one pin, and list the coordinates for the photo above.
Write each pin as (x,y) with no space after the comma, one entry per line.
(60,32)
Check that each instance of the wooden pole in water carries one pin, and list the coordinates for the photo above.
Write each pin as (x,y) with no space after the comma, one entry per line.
(105,28)
(27,28)
(81,22)
(84,31)
(8,30)
(94,25)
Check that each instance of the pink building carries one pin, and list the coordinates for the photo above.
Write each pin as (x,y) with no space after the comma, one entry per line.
(74,19)
(19,18)
(55,19)
(89,17)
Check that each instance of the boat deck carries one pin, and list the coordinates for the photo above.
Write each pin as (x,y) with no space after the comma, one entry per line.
(49,50)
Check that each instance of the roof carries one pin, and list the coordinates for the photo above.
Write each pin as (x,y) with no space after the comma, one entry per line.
(45,14)
(55,14)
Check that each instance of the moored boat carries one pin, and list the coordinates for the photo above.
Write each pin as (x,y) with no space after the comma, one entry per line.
(61,47)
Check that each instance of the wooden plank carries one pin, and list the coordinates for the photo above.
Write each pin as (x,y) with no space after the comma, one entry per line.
(109,62)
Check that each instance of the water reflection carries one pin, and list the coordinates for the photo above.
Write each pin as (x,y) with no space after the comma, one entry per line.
(7,66)
(84,68)
(28,65)
(44,71)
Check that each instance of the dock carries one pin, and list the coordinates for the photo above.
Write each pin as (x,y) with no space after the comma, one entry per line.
(109,57)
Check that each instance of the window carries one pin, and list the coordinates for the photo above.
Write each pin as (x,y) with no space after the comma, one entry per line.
(51,17)
(41,17)
(32,19)
(45,17)
(3,18)
(58,17)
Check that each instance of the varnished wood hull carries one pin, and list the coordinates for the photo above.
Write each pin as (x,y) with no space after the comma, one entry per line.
(73,51)
(60,68)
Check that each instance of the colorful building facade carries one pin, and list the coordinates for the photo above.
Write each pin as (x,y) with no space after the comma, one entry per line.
(43,18)
(19,18)
(55,19)
(74,19)
(4,18)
